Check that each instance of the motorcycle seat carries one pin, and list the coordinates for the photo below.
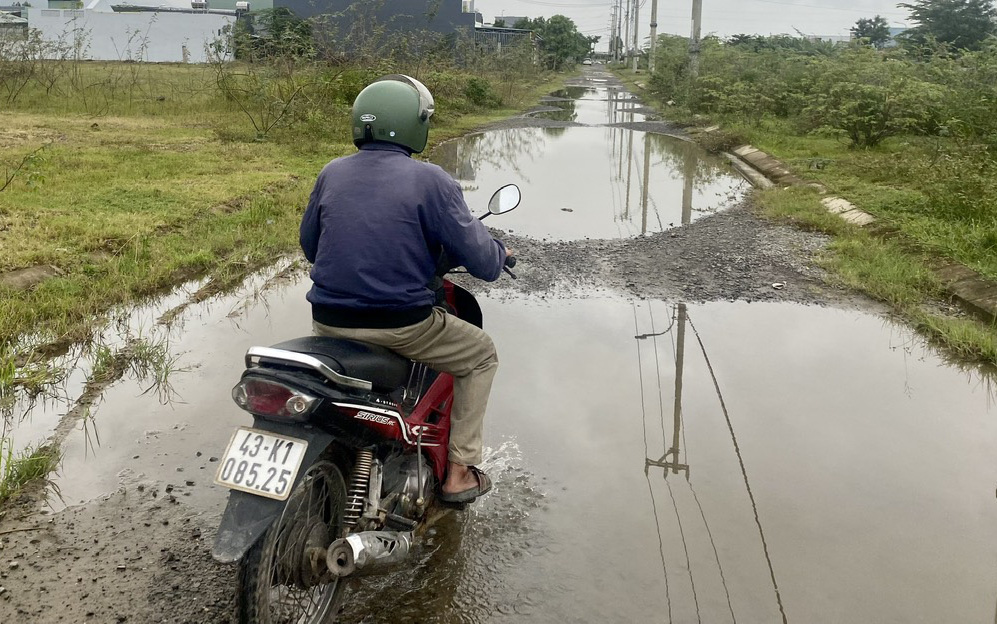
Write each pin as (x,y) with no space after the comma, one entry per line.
(385,369)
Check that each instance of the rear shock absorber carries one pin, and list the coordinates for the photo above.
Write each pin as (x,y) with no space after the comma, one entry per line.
(358,488)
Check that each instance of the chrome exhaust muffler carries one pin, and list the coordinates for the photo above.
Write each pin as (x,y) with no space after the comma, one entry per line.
(367,551)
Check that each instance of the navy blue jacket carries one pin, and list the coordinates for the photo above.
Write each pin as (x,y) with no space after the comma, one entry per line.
(375,224)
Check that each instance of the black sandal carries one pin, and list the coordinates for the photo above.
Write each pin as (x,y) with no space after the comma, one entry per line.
(469,495)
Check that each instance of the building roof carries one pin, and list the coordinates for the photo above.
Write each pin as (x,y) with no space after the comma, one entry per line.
(8,19)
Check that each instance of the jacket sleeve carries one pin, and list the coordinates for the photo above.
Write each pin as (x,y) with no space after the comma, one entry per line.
(466,239)
(308,235)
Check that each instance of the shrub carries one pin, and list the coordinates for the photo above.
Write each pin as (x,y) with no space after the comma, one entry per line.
(479,92)
(868,97)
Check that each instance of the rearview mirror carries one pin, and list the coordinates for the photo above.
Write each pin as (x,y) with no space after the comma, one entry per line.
(504,199)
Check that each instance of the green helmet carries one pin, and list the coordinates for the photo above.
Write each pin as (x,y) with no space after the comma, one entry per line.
(395,109)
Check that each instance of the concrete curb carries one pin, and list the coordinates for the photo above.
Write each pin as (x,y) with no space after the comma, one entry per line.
(974,292)
(776,173)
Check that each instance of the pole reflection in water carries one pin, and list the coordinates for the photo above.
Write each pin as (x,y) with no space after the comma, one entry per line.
(673,461)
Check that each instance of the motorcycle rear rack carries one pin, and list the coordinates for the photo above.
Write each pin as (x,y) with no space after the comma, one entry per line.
(255,354)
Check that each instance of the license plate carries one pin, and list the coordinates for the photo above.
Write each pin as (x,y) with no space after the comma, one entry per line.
(260,462)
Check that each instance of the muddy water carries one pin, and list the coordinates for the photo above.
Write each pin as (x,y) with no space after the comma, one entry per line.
(592,182)
(842,472)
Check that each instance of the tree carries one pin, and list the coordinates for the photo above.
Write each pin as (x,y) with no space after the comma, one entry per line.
(273,33)
(875,31)
(499,23)
(961,24)
(561,40)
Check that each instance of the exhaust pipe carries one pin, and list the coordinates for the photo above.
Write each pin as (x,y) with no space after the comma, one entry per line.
(367,551)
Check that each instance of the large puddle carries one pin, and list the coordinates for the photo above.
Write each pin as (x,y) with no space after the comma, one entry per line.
(592,182)
(818,462)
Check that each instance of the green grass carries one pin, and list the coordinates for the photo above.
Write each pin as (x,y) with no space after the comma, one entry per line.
(893,182)
(18,469)
(886,269)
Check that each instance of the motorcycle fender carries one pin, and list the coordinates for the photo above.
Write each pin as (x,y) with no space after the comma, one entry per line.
(248,516)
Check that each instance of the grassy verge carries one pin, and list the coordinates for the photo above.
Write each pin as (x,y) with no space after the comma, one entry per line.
(161,178)
(892,262)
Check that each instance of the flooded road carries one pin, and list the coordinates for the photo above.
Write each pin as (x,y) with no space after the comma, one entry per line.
(654,460)
(822,463)
(596,181)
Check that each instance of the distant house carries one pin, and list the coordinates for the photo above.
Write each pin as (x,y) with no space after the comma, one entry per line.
(509,21)
(12,26)
(150,36)
(494,39)
(442,16)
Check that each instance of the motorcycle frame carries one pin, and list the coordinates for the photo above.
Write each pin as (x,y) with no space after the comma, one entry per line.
(425,430)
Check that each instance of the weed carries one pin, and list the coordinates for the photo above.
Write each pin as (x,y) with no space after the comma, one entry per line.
(20,468)
(153,362)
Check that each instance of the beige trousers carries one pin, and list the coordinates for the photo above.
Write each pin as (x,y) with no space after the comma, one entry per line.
(450,345)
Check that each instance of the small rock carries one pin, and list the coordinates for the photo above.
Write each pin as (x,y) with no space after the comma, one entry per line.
(122,567)
(212,459)
(14,565)
(188,482)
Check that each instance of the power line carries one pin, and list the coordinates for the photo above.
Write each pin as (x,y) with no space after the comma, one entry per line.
(821,7)
(573,5)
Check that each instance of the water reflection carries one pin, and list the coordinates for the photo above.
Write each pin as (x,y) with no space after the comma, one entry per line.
(655,182)
(597,107)
(674,462)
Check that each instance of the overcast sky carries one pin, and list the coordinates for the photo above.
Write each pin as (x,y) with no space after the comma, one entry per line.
(721,17)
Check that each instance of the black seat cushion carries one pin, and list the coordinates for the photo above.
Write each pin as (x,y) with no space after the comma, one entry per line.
(384,368)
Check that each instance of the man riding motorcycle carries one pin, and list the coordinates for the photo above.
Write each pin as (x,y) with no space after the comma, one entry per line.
(374,229)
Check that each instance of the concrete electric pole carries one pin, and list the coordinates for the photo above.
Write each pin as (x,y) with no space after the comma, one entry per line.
(654,36)
(636,23)
(697,30)
(614,43)
(627,19)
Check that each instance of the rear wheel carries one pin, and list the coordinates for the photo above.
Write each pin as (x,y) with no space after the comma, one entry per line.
(283,578)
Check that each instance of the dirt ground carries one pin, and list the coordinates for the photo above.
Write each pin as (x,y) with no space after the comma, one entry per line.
(141,555)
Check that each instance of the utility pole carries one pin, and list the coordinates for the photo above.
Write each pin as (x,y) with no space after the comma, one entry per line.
(636,23)
(675,466)
(654,36)
(614,48)
(627,18)
(697,30)
(643,192)
(619,30)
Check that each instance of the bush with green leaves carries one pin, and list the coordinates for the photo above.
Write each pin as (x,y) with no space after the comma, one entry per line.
(867,96)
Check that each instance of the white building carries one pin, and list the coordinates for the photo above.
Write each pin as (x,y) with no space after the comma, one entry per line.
(141,36)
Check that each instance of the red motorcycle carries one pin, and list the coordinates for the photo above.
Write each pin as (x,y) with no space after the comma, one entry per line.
(343,461)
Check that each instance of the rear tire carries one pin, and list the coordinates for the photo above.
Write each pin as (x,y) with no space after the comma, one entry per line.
(277,582)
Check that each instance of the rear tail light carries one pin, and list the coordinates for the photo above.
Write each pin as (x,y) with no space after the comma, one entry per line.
(272,399)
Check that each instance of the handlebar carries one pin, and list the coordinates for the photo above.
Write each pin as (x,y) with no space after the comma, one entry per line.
(510,262)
